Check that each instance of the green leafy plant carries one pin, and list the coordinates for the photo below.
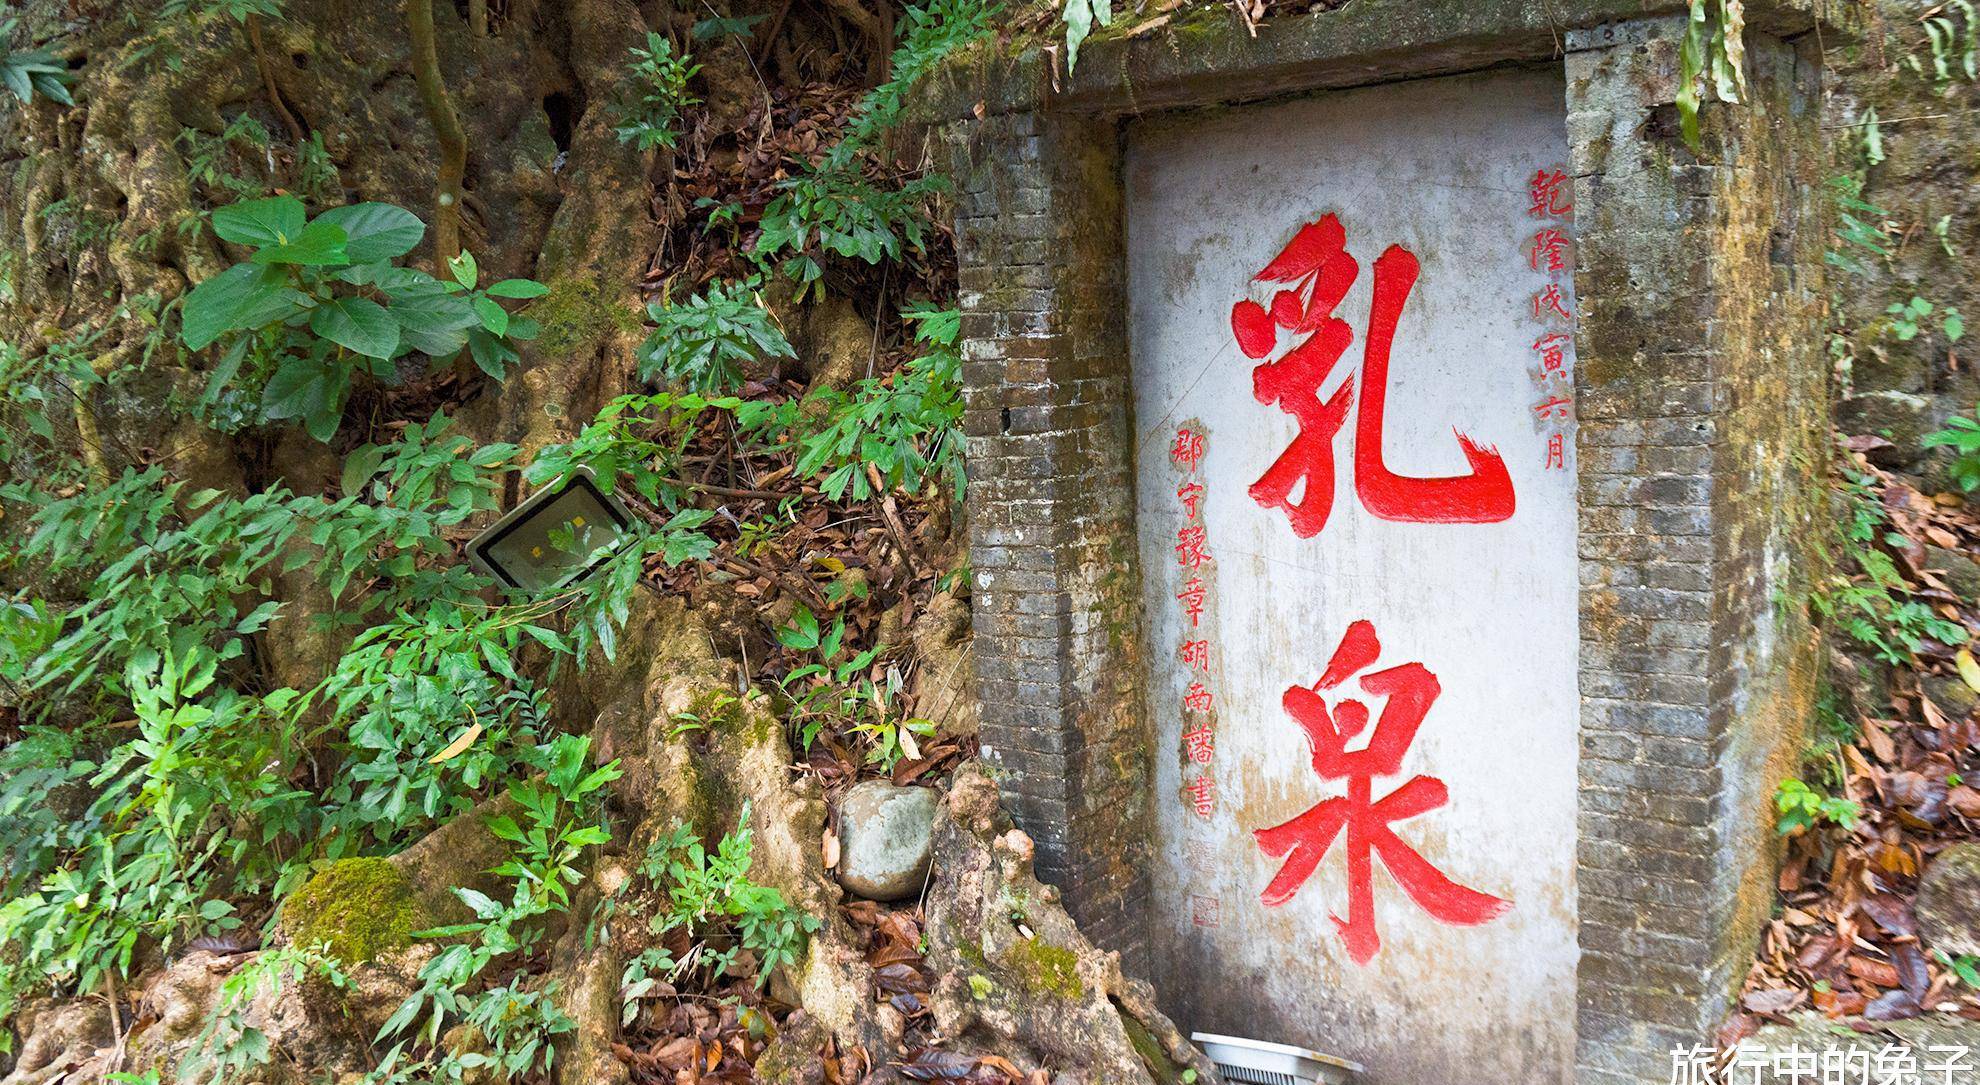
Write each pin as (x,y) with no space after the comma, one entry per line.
(1875,606)
(27,72)
(432,708)
(703,343)
(555,826)
(1962,435)
(181,820)
(1859,226)
(835,206)
(1800,807)
(838,211)
(1952,40)
(321,302)
(637,442)
(179,572)
(711,897)
(907,427)
(845,693)
(656,92)
(1909,318)
(229,1047)
(1079,18)
(399,501)
(1712,55)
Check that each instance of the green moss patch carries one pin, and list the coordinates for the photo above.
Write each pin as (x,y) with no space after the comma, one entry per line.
(360,908)
(1048,968)
(577,312)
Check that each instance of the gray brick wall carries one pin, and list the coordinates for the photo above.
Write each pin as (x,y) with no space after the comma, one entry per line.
(1050,506)
(1702,433)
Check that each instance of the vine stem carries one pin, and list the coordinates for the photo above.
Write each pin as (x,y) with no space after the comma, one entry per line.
(253,25)
(446,131)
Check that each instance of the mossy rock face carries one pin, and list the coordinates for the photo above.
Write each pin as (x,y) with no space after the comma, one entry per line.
(578,311)
(1048,968)
(360,908)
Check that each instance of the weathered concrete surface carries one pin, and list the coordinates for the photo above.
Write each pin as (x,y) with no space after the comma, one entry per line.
(1439,167)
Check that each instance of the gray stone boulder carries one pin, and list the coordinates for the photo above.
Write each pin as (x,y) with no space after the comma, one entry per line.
(1900,417)
(1960,572)
(1948,905)
(885,839)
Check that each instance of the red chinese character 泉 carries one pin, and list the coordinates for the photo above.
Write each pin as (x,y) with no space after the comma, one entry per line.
(1195,653)
(1200,744)
(1192,595)
(1197,697)
(1191,551)
(1410,690)
(1317,269)
(1191,495)
(1549,194)
(1187,451)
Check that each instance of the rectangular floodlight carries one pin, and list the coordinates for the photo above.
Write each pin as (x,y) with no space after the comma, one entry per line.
(521,549)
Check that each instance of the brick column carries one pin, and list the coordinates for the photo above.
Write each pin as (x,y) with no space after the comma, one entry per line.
(1703,433)
(1051,505)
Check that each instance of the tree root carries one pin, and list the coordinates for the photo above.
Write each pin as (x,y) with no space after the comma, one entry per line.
(1016,978)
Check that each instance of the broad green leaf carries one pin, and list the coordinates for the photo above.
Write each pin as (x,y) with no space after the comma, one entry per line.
(359,466)
(434,322)
(518,288)
(359,325)
(493,316)
(319,244)
(491,355)
(225,302)
(375,231)
(272,221)
(310,390)
(464,270)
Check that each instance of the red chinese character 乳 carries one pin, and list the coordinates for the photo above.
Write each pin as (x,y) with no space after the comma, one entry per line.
(1317,269)
(1410,690)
